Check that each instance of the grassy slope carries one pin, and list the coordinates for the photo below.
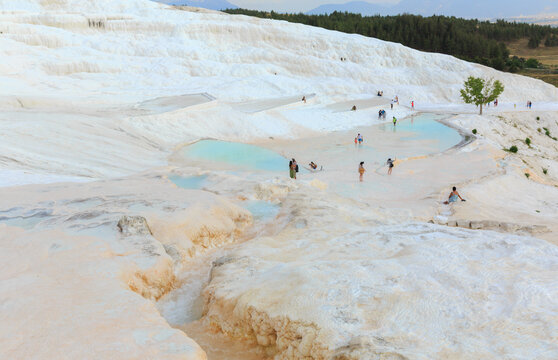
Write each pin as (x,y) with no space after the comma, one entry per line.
(547,56)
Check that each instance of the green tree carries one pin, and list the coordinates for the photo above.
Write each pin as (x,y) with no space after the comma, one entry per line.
(481,91)
(533,42)
(532,63)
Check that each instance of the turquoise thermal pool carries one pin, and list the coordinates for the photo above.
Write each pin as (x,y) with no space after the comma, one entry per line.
(417,136)
(240,156)
(426,127)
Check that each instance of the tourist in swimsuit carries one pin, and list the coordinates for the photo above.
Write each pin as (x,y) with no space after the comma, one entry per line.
(361,170)
(390,165)
(453,196)
(360,139)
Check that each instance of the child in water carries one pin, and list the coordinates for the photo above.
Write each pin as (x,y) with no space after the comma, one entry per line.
(394,121)
(361,170)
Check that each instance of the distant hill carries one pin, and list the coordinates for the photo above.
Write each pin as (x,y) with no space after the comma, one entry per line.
(206,4)
(357,7)
(488,9)
(542,19)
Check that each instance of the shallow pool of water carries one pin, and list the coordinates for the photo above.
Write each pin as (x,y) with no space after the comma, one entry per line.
(261,210)
(425,127)
(235,155)
(189,182)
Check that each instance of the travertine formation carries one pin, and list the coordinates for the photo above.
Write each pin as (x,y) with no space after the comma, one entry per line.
(104,255)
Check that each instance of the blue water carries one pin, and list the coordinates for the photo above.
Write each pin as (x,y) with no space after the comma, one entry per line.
(425,127)
(261,210)
(244,156)
(435,137)
(189,182)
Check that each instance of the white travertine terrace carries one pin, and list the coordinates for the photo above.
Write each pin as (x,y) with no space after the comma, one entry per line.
(98,97)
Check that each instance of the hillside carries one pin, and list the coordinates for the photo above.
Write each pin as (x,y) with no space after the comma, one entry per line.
(547,69)
(482,42)
(491,9)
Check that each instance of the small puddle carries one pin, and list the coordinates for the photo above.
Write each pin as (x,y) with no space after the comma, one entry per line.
(189,182)
(261,210)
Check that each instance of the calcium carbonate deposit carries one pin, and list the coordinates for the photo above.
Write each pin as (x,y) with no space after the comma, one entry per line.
(146,209)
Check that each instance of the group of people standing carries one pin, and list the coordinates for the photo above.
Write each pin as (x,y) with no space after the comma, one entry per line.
(293,170)
(453,196)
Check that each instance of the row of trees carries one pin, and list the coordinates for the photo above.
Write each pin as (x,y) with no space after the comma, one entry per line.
(471,40)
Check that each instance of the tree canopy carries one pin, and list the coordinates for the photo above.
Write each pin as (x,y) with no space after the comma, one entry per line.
(481,91)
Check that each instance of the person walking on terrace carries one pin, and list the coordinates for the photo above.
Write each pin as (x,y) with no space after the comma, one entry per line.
(361,170)
(390,165)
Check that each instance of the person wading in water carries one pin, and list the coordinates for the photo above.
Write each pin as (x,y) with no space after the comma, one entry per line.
(293,168)
(390,165)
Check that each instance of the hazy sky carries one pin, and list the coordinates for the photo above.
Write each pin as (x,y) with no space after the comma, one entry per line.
(463,8)
(296,5)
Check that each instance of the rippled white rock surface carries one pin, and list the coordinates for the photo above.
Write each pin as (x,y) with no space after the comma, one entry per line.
(412,291)
(98,99)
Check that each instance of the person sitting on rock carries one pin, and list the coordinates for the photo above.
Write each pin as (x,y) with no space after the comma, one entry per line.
(453,196)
